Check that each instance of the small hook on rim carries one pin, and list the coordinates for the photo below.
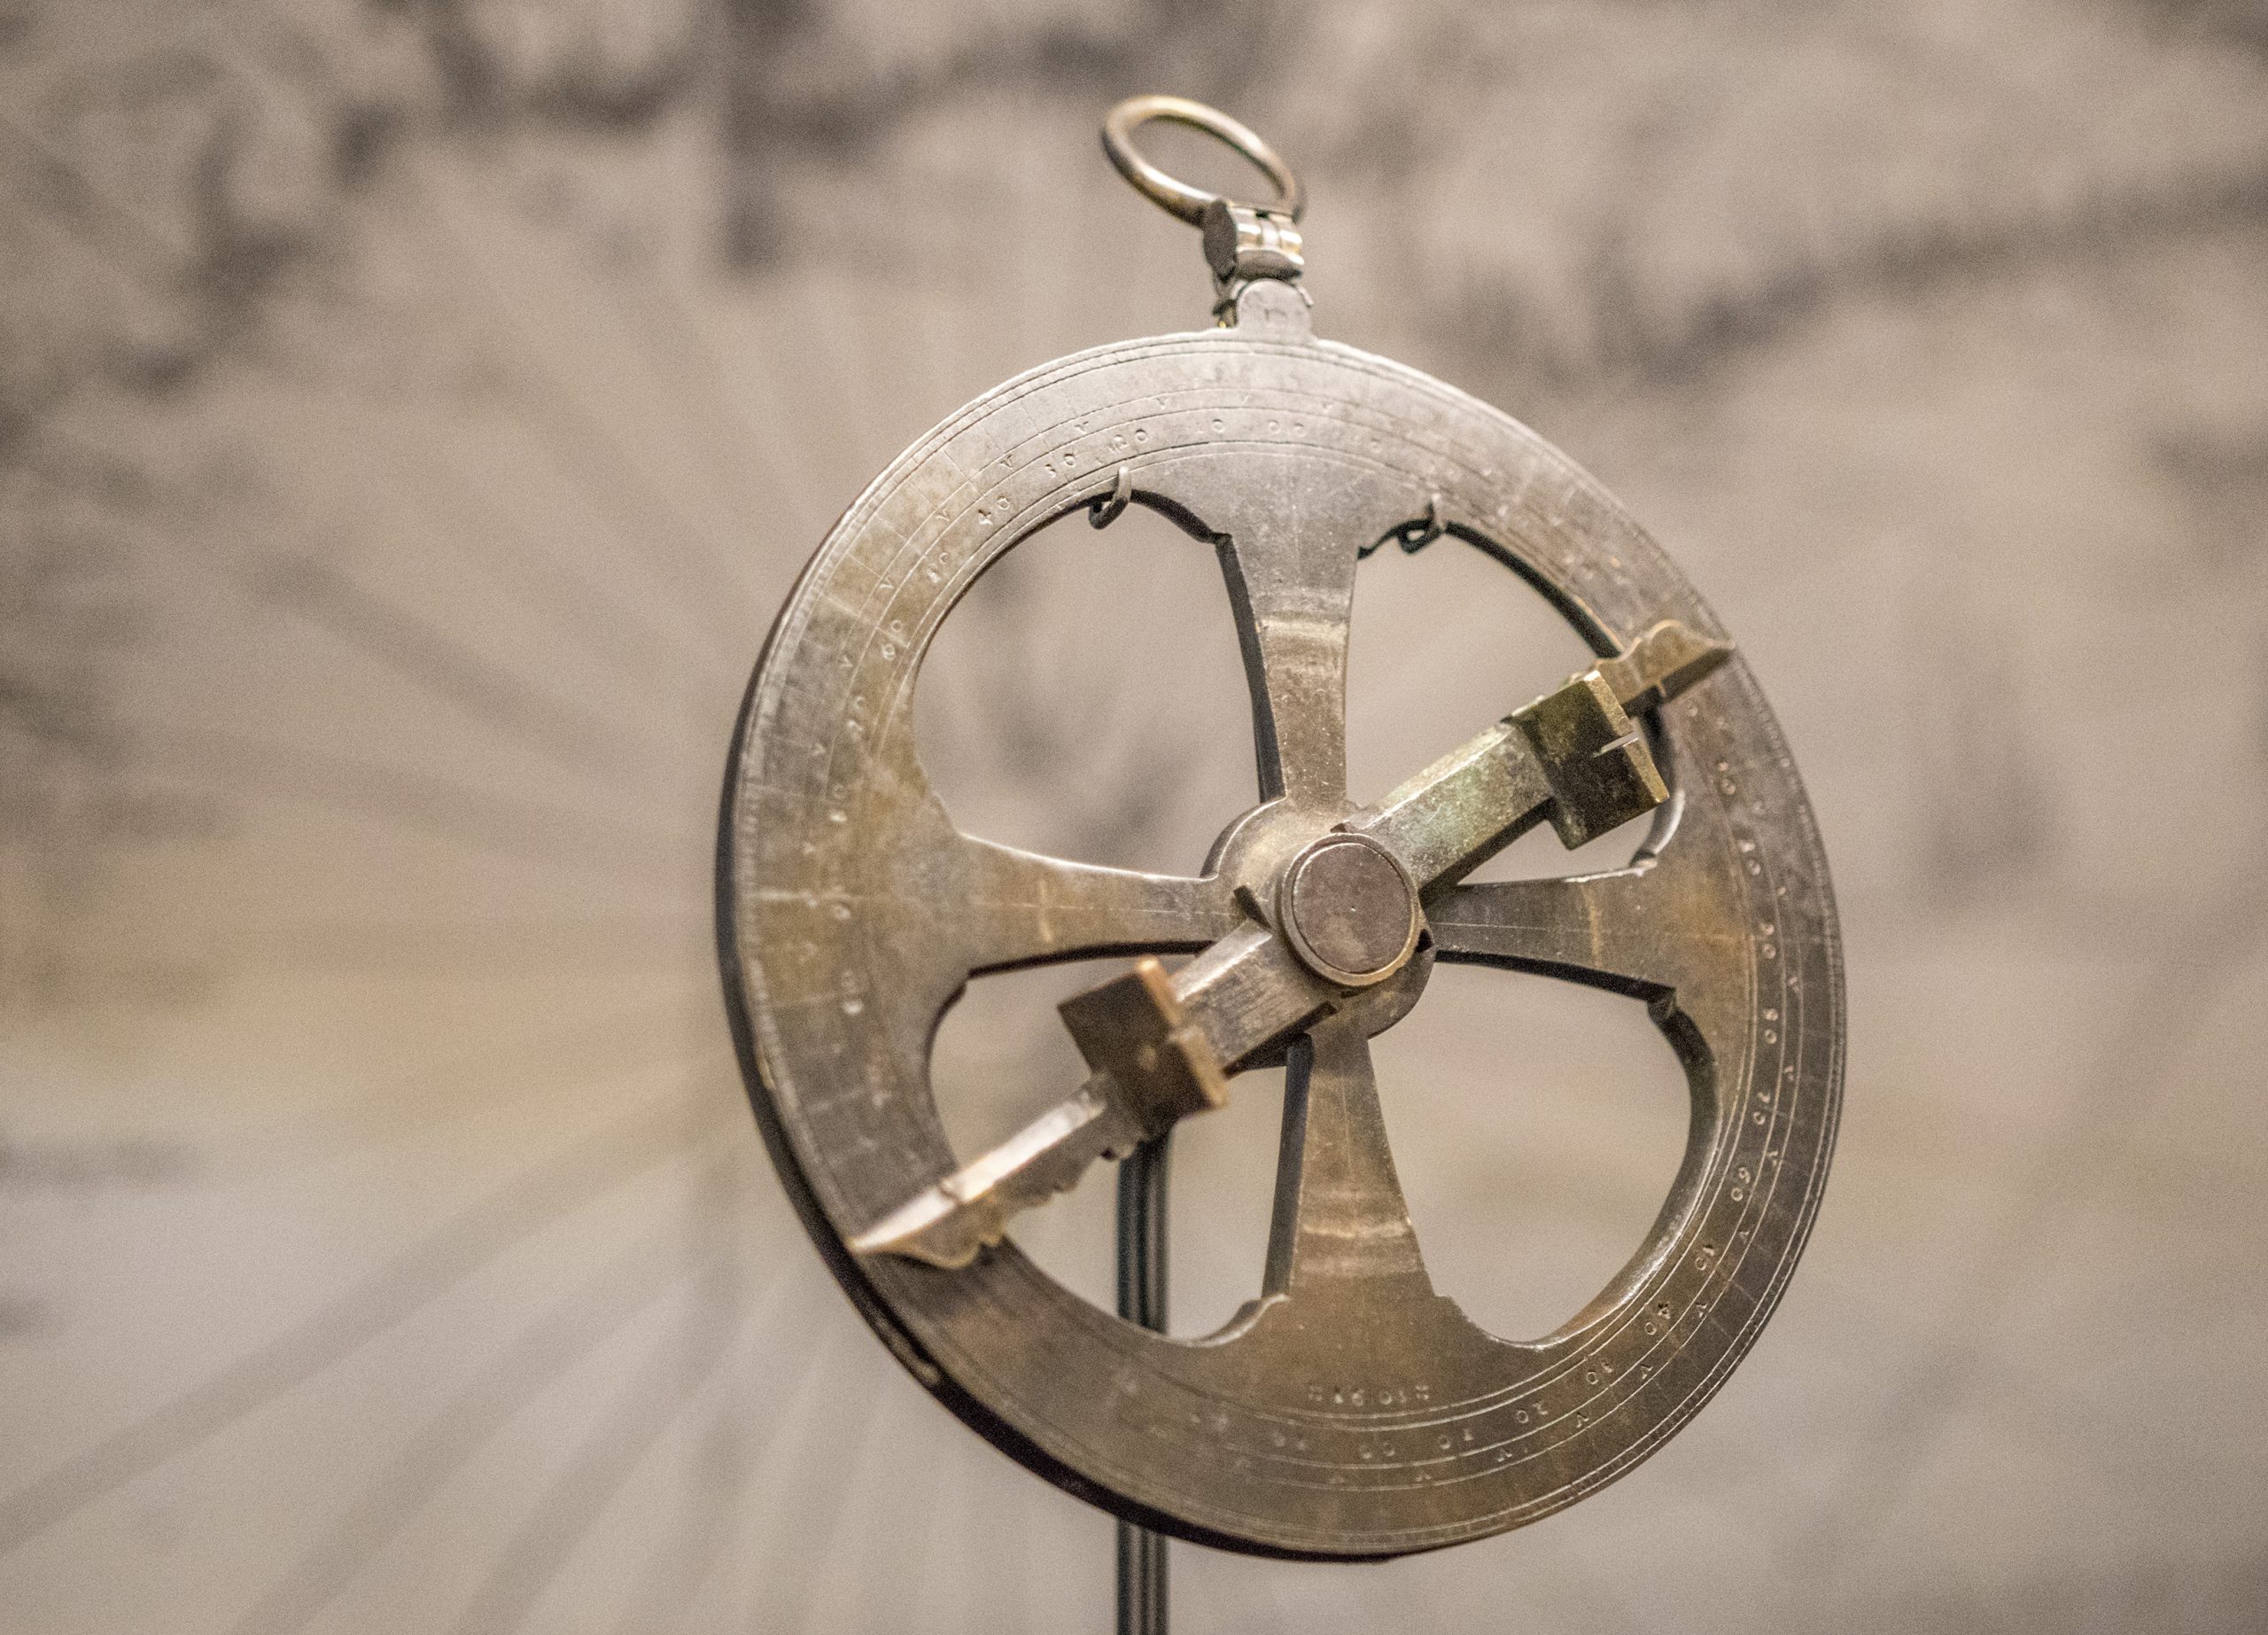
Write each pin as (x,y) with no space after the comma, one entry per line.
(1412,536)
(1417,535)
(1103,509)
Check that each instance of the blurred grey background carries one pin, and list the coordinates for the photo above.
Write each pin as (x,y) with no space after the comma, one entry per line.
(411,415)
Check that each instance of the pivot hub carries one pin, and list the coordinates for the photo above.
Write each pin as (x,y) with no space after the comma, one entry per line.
(1349,910)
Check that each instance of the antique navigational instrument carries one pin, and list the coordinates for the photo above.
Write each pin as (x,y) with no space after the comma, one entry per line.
(1349,1411)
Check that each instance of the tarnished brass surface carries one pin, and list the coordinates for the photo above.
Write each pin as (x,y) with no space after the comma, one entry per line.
(1349,1411)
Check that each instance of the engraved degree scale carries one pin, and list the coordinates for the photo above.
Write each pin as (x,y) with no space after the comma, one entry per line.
(1350,1412)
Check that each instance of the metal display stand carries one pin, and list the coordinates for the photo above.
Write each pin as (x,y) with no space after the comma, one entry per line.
(1142,1178)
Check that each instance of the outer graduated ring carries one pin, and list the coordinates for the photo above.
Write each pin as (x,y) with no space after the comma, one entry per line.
(1349,1412)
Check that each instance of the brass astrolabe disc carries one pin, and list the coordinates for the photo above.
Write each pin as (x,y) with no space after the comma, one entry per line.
(1350,1411)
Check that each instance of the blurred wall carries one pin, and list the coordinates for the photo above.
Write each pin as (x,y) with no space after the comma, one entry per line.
(410,416)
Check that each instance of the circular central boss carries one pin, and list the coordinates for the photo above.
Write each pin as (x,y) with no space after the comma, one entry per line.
(1349,910)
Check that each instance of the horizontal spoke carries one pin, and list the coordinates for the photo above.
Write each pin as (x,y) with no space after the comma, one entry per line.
(943,907)
(1670,934)
(1595,928)
(1018,909)
(961,906)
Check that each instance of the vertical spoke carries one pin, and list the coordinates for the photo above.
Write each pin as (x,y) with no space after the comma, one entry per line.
(1294,596)
(1339,1213)
(1288,546)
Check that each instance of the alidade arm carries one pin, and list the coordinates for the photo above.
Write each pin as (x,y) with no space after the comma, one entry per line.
(1573,757)
(1162,1047)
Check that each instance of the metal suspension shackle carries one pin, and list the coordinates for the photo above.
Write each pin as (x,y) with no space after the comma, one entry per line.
(1177,196)
(1243,242)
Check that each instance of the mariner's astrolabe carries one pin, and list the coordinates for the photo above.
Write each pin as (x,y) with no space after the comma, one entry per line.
(1350,1411)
